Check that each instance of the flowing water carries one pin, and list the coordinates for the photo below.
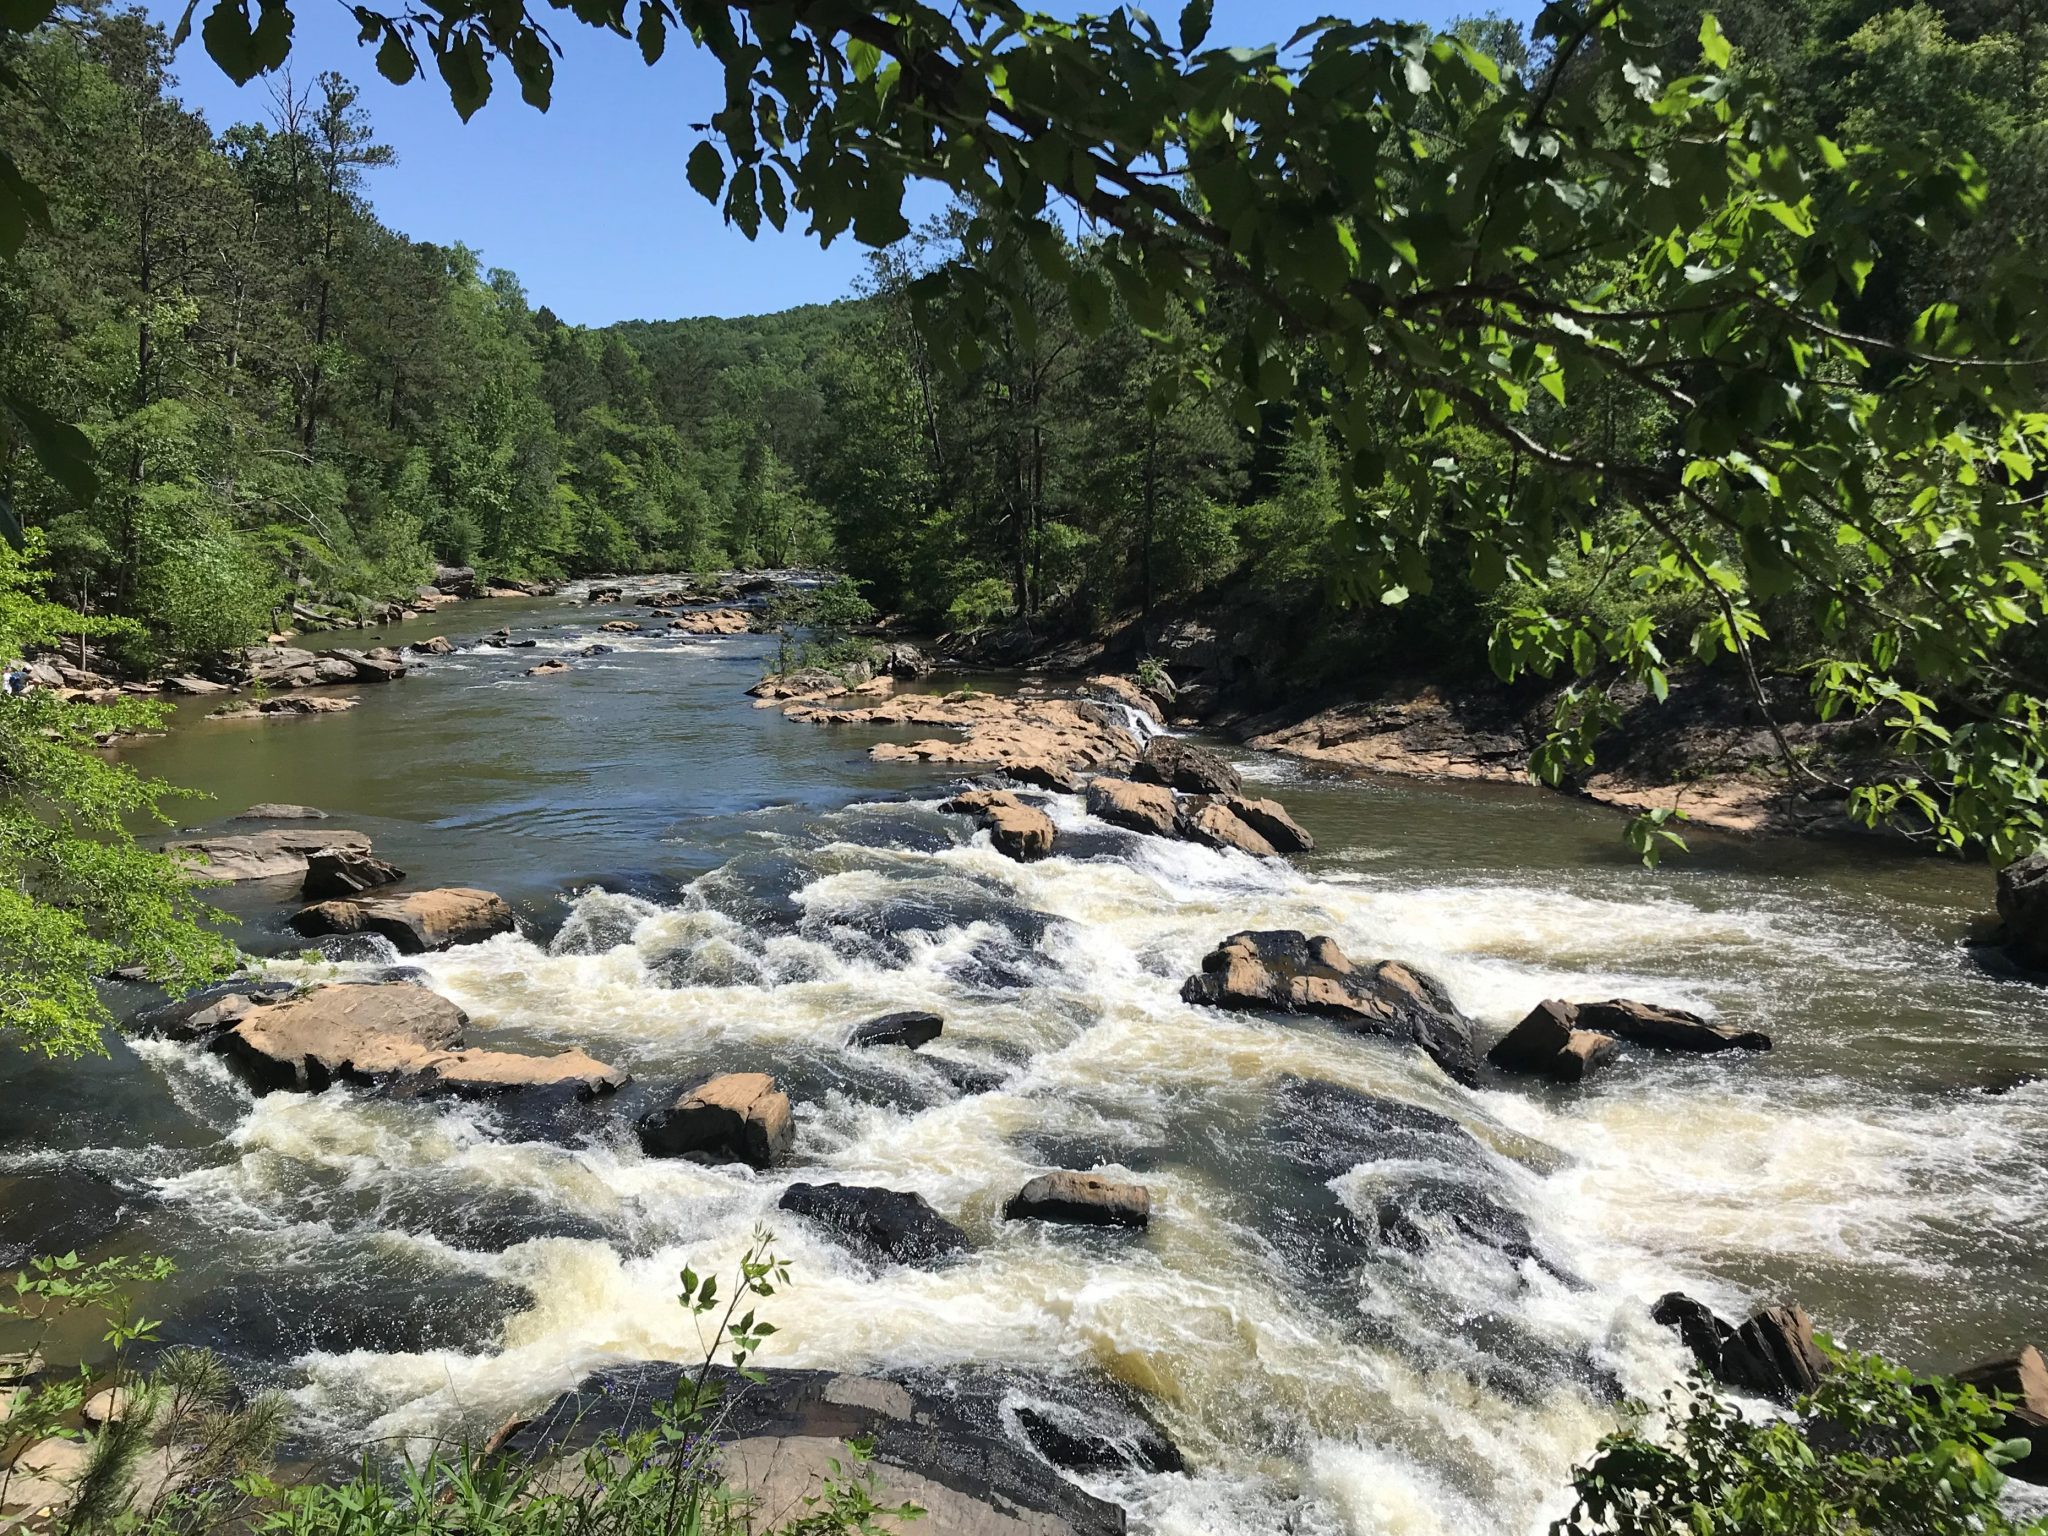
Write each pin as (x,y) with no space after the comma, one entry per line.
(706,886)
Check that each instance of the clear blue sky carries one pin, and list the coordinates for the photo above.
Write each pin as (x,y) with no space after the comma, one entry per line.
(587,203)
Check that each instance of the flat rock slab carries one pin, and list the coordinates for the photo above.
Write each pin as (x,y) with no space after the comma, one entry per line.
(1286,971)
(415,924)
(259,855)
(271,810)
(360,1034)
(478,1074)
(1668,1029)
(941,1442)
(890,1224)
(737,1117)
(1081,1199)
(336,872)
(202,1014)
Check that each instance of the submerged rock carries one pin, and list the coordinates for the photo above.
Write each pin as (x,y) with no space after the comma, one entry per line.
(952,1443)
(1286,971)
(259,855)
(415,924)
(549,668)
(1547,1044)
(1186,767)
(1081,1199)
(885,1223)
(736,1117)
(345,872)
(1668,1029)
(289,704)
(1020,831)
(910,1029)
(273,811)
(2023,909)
(2023,1378)
(1772,1355)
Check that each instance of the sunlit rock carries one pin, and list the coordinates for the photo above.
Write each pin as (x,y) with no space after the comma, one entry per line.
(1020,831)
(1081,1199)
(415,924)
(737,1117)
(1547,1044)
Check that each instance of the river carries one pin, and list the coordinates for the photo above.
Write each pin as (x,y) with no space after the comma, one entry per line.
(707,886)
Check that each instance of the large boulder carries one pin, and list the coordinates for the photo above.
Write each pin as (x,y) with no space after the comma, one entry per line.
(202,1014)
(415,924)
(736,1117)
(2023,908)
(260,855)
(1669,1029)
(883,1223)
(336,1034)
(1020,831)
(941,1442)
(284,705)
(2024,1379)
(1211,821)
(1772,1355)
(456,580)
(1186,767)
(1136,807)
(1270,820)
(1547,1044)
(367,667)
(1286,971)
(909,1028)
(479,1074)
(435,645)
(712,621)
(336,872)
(1081,1199)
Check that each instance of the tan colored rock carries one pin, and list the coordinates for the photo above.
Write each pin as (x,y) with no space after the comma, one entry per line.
(1044,741)
(1081,1199)
(343,1034)
(288,706)
(620,627)
(1126,690)
(260,855)
(472,1074)
(2023,1378)
(436,645)
(739,1117)
(1670,1029)
(1148,808)
(1270,820)
(106,1406)
(712,621)
(549,668)
(1213,822)
(1547,1043)
(1020,831)
(415,924)
(43,1476)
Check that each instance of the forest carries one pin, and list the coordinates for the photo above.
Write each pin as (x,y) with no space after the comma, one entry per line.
(287,399)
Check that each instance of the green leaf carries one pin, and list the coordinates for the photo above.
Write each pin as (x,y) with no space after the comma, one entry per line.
(22,205)
(652,32)
(864,56)
(65,452)
(1714,47)
(1195,17)
(467,74)
(394,60)
(706,170)
(1088,297)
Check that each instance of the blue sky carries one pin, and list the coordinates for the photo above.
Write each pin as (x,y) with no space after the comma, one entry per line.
(587,203)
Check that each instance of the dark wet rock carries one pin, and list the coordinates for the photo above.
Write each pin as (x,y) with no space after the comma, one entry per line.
(1664,1028)
(528,644)
(1186,767)
(198,1015)
(416,924)
(902,659)
(1082,1437)
(2023,909)
(1772,1355)
(345,1034)
(260,855)
(1019,831)
(736,1117)
(1147,808)
(365,668)
(968,1077)
(1081,1199)
(1286,971)
(882,1223)
(274,811)
(336,872)
(456,580)
(940,1442)
(2022,1377)
(910,1028)
(549,668)
(1547,1044)
(597,650)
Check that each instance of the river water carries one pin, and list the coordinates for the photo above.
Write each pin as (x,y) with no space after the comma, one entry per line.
(707,886)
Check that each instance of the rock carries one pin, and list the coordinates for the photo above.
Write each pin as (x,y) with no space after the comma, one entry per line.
(365,668)
(290,704)
(198,687)
(1043,741)
(347,1033)
(885,1223)
(804,683)
(1666,1028)
(210,1010)
(1126,691)
(620,627)
(1772,1355)
(478,1074)
(606,594)
(548,668)
(713,621)
(1545,1044)
(910,1029)
(939,1442)
(1286,971)
(457,580)
(1183,766)
(596,650)
(1081,1199)
(106,1406)
(43,1476)
(735,1117)
(259,855)
(2023,909)
(1018,830)
(1148,808)
(415,924)
(902,659)
(437,645)
(2023,1378)
(273,811)
(345,872)
(1204,820)
(1271,821)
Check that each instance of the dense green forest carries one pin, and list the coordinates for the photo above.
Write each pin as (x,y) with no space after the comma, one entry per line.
(284,394)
